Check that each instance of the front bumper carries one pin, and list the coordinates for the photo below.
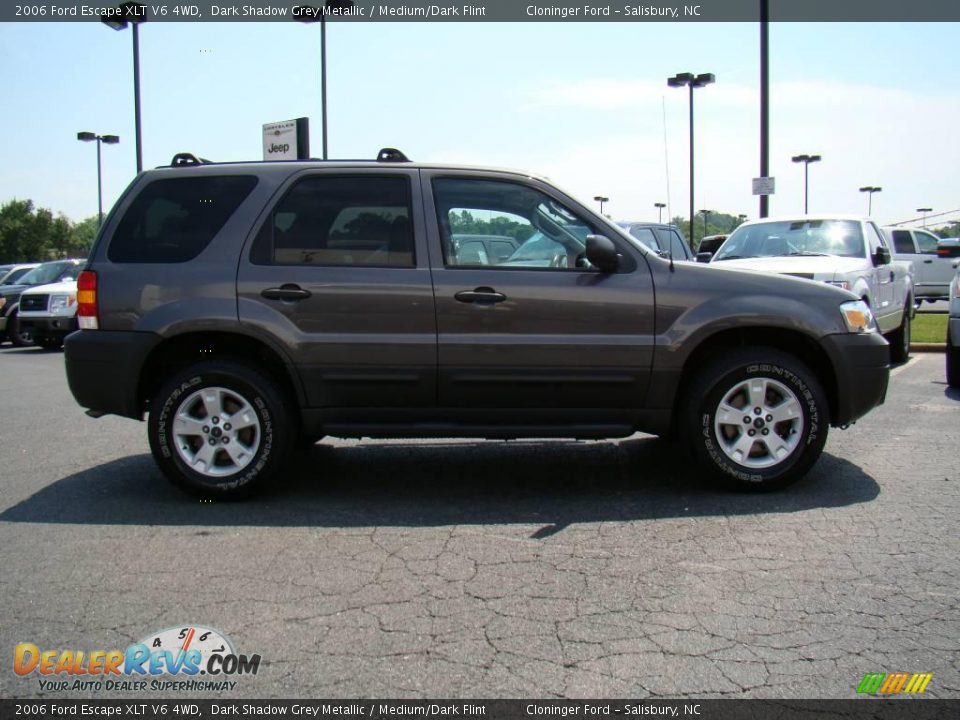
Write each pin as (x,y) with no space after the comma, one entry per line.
(861,365)
(48,326)
(97,380)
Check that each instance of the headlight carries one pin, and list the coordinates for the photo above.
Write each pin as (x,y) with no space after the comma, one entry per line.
(61,302)
(843,284)
(858,317)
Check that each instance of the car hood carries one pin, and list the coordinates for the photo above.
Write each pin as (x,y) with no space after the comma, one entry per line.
(819,267)
(8,290)
(67,286)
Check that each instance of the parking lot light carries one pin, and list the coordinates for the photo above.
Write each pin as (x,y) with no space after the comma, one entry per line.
(659,206)
(871,190)
(601,199)
(806,160)
(705,213)
(86,136)
(692,81)
(131,13)
(924,211)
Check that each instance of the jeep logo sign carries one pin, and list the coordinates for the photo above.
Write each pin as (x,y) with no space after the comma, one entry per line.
(287,140)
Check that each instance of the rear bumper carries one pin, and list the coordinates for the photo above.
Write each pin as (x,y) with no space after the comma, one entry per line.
(103,369)
(862,367)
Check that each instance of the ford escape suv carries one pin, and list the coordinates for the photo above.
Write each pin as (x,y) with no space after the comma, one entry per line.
(247,308)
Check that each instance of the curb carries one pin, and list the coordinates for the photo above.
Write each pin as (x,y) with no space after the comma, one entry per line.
(928,347)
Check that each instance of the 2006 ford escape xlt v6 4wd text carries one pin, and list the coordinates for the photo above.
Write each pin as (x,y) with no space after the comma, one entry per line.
(248,308)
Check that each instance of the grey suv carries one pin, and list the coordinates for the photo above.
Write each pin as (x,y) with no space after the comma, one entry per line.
(249,308)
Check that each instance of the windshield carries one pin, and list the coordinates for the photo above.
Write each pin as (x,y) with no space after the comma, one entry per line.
(13,277)
(51,272)
(842,238)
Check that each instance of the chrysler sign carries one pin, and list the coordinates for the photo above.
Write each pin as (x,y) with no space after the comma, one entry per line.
(287,140)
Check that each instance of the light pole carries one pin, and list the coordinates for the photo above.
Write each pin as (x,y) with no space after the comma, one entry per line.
(806,160)
(704,213)
(133,14)
(601,199)
(309,14)
(659,207)
(109,140)
(692,81)
(924,211)
(871,190)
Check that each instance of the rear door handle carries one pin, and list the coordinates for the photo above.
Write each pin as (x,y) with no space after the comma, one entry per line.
(481,296)
(289,291)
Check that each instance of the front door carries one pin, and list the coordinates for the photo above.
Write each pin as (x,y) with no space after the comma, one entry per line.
(540,328)
(338,272)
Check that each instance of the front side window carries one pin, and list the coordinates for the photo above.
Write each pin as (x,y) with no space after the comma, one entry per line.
(174,219)
(843,238)
(480,219)
(340,220)
(927,243)
(646,236)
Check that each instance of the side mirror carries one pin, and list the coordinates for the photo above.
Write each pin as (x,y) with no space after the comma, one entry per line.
(881,256)
(948,251)
(602,253)
(704,257)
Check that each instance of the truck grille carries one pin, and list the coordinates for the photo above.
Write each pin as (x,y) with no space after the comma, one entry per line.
(34,302)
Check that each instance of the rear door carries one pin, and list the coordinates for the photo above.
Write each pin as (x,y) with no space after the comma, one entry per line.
(539,331)
(338,274)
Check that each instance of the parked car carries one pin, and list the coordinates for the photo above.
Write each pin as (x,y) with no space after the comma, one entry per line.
(11,274)
(847,252)
(710,244)
(931,273)
(485,249)
(245,332)
(662,239)
(48,313)
(949,248)
(49,272)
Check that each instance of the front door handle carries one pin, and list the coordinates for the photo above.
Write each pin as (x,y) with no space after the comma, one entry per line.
(288,291)
(927,262)
(481,296)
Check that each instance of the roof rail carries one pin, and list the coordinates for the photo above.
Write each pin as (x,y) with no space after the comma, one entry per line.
(391,155)
(186,159)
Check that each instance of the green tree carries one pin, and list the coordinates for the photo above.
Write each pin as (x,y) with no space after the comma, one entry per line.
(82,235)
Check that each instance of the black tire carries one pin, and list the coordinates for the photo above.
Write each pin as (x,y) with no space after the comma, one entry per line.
(899,339)
(275,433)
(49,342)
(717,380)
(953,363)
(20,338)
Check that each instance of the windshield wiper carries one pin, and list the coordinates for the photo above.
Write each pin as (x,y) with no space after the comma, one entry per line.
(808,254)
(728,257)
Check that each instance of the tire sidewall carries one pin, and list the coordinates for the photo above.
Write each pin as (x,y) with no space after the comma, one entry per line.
(264,400)
(813,436)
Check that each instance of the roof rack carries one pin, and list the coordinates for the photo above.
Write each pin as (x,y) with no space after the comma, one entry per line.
(391,155)
(185,159)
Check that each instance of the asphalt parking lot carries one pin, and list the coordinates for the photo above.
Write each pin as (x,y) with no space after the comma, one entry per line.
(464,569)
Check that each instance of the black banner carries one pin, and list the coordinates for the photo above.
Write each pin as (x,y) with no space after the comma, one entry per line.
(865,708)
(482,11)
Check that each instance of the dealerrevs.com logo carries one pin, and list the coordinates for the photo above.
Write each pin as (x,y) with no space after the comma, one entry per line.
(185,658)
(894,683)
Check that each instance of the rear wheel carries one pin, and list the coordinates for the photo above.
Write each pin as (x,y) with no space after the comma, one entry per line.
(757,418)
(899,339)
(953,363)
(220,429)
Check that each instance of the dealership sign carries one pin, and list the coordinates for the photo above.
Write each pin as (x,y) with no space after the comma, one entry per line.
(287,140)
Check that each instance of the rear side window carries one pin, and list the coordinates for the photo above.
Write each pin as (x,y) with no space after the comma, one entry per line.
(902,242)
(356,220)
(173,220)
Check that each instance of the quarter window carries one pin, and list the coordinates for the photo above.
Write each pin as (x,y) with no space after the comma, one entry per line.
(346,220)
(174,219)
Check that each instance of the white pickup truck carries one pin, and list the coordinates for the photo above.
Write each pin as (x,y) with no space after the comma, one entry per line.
(846,251)
(932,273)
(49,312)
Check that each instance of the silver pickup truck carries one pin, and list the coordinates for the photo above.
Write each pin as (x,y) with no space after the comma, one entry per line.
(931,273)
(848,252)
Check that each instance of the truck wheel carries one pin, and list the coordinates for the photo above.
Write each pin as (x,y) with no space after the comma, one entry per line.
(953,363)
(20,337)
(220,429)
(899,339)
(757,418)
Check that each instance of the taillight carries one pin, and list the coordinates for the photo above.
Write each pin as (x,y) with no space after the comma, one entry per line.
(87,300)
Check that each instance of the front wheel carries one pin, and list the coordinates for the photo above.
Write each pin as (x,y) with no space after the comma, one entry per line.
(19,336)
(757,418)
(221,429)
(899,339)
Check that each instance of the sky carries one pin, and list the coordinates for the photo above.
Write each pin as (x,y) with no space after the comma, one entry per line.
(585,104)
